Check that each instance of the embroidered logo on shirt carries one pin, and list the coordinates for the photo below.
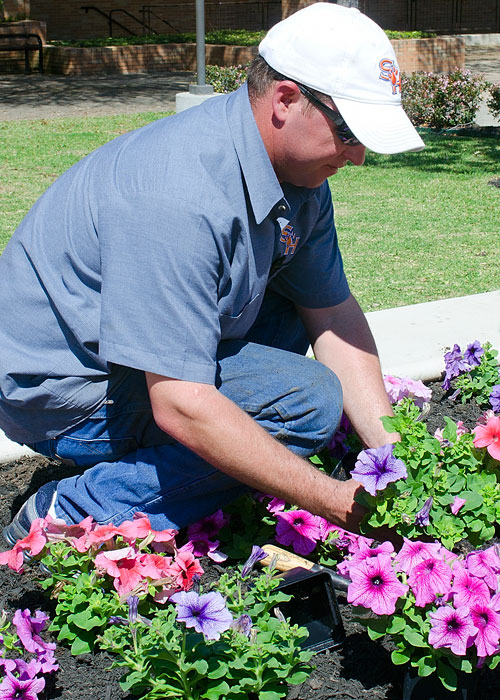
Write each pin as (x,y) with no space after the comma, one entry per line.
(290,239)
(390,72)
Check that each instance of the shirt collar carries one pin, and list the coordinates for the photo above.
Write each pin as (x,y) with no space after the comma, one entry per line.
(264,190)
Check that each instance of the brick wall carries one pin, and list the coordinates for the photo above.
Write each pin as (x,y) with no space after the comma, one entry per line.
(441,54)
(66,20)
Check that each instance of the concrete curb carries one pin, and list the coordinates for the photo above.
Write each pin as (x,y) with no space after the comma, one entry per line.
(411,341)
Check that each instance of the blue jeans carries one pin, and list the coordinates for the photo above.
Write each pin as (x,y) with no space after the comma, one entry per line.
(129,464)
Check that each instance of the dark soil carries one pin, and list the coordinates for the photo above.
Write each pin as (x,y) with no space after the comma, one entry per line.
(360,669)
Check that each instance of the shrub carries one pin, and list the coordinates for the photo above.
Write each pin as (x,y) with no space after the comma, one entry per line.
(442,100)
(494,100)
(226,78)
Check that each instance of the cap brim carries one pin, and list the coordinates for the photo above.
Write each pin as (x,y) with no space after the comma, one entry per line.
(383,128)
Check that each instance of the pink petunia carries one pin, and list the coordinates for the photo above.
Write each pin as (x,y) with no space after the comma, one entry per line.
(487,622)
(298,529)
(485,564)
(429,578)
(489,436)
(124,566)
(452,628)
(184,568)
(375,586)
(415,552)
(468,589)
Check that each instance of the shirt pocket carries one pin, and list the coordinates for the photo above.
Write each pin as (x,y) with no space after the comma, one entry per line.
(236,325)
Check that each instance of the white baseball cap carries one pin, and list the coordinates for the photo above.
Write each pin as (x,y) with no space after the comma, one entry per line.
(341,52)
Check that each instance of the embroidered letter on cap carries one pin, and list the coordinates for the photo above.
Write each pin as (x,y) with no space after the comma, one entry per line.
(389,71)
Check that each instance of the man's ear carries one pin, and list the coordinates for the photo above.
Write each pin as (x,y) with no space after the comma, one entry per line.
(286,94)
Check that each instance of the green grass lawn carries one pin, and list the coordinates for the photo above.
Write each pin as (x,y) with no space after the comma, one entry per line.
(412,227)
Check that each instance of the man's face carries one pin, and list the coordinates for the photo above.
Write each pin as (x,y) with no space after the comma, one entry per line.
(308,149)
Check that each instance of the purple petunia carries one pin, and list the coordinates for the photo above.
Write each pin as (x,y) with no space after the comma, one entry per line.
(473,353)
(13,688)
(377,467)
(422,517)
(207,613)
(495,398)
(28,630)
(256,555)
(454,366)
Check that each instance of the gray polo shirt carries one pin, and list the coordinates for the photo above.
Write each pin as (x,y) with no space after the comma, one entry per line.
(146,254)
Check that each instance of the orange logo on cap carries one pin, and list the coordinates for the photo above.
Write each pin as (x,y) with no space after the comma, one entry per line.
(390,72)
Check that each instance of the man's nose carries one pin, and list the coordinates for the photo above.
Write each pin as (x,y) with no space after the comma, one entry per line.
(356,154)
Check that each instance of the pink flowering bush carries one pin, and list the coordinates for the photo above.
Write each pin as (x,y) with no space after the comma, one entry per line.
(441,610)
(111,563)
(442,100)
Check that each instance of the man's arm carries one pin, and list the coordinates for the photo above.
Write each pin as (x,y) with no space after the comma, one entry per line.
(341,339)
(212,426)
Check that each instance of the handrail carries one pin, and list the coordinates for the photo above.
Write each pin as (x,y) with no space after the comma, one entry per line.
(110,20)
(129,14)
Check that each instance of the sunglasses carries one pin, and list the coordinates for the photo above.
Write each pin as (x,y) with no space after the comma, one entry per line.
(343,132)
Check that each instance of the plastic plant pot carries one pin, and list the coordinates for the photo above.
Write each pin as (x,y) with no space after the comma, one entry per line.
(430,687)
(314,606)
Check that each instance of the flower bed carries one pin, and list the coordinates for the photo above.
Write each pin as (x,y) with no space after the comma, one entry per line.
(416,624)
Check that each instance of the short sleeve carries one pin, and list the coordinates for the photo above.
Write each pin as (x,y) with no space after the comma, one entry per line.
(315,277)
(160,273)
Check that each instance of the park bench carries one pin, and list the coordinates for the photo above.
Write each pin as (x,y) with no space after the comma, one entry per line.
(23,42)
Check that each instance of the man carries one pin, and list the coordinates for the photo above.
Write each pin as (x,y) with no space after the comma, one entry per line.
(158,299)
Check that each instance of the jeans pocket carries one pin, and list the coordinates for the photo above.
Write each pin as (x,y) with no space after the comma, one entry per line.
(86,452)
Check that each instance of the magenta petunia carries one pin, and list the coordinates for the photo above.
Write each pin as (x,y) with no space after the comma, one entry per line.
(428,579)
(485,564)
(377,467)
(487,622)
(375,586)
(28,629)
(452,628)
(207,528)
(414,552)
(298,529)
(457,504)
(468,589)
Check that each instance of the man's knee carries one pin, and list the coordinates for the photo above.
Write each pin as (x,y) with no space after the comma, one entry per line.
(325,396)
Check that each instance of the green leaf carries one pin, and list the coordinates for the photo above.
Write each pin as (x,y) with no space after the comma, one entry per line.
(86,621)
(447,675)
(217,691)
(271,695)
(297,677)
(399,657)
(81,646)
(415,638)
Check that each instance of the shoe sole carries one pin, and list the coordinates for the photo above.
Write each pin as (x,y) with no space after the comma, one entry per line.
(14,532)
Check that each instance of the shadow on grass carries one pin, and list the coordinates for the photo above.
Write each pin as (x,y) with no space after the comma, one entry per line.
(450,151)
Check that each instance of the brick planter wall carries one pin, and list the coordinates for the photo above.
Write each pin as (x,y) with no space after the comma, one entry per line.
(136,59)
(440,54)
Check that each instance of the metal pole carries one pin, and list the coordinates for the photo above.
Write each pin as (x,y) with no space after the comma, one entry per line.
(200,88)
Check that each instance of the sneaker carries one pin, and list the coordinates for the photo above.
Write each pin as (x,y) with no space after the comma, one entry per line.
(37,506)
